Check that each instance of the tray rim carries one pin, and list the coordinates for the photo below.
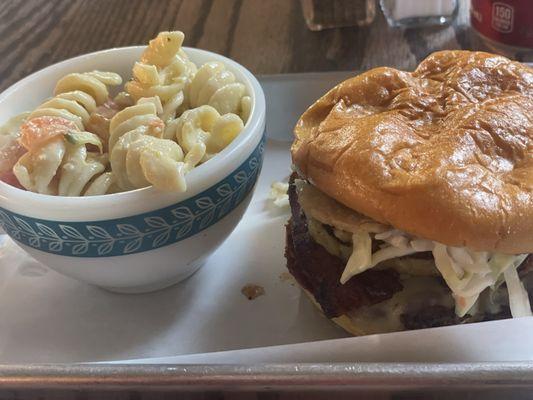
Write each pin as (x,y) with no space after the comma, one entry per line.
(349,376)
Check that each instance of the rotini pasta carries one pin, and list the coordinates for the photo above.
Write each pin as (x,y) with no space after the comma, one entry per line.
(77,96)
(78,168)
(204,128)
(36,170)
(163,71)
(102,184)
(56,166)
(139,160)
(82,142)
(215,86)
(60,163)
(10,148)
(164,171)
(139,157)
(142,117)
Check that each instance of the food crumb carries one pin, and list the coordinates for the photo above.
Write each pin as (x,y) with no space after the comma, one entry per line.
(278,194)
(251,291)
(286,277)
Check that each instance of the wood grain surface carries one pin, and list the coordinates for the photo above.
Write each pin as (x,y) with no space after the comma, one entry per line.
(267,36)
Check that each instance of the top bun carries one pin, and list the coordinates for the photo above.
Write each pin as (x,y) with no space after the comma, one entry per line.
(444,153)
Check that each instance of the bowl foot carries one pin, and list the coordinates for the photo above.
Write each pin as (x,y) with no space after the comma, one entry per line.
(152,287)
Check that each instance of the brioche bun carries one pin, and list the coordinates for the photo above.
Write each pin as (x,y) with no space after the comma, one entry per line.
(444,153)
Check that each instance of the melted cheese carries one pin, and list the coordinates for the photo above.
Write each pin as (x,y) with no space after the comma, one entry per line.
(416,294)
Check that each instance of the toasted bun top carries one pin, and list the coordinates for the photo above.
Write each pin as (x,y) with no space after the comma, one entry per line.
(444,153)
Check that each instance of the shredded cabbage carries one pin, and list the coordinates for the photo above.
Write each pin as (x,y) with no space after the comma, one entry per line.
(361,258)
(518,298)
(466,272)
(501,262)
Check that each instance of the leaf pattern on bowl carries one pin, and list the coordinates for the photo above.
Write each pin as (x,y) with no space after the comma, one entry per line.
(140,232)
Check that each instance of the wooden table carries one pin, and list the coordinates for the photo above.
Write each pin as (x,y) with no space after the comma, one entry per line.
(267,36)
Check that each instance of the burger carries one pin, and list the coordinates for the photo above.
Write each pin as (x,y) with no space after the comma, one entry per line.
(412,195)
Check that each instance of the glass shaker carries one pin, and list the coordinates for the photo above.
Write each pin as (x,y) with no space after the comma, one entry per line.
(418,13)
(324,14)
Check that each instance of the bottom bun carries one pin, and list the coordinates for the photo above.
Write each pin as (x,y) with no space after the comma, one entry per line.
(343,321)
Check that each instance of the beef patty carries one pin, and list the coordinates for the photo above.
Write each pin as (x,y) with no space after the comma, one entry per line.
(319,272)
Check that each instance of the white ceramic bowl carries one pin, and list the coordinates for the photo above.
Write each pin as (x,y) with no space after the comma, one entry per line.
(145,239)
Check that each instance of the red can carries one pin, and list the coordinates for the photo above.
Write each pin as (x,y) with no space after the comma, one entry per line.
(509,22)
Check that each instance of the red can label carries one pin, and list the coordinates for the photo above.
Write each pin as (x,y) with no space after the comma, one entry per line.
(505,21)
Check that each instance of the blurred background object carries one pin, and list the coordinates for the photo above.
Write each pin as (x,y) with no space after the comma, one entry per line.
(266,36)
(416,13)
(320,14)
(505,26)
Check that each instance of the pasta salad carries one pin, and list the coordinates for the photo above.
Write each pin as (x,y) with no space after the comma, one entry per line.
(170,117)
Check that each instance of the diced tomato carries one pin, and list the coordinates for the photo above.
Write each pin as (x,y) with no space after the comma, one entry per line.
(40,130)
(101,118)
(10,178)
(156,127)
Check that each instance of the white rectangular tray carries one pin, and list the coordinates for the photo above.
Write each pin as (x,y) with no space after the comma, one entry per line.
(48,318)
